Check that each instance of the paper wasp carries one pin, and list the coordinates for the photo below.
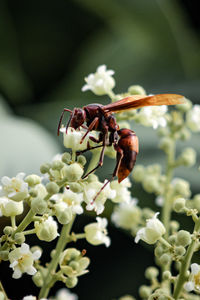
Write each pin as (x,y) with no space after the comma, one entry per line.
(125,142)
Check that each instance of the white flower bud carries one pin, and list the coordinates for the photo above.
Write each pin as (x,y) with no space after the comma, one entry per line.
(184,107)
(101,82)
(10,208)
(136,90)
(188,157)
(151,272)
(181,187)
(52,188)
(153,116)
(81,160)
(32,180)
(179,204)
(29,297)
(193,118)
(151,183)
(145,291)
(96,233)
(64,294)
(138,173)
(165,259)
(127,215)
(57,165)
(196,200)
(4,255)
(72,172)
(71,282)
(167,275)
(38,205)
(152,232)
(66,157)
(166,144)
(38,279)
(8,230)
(183,238)
(44,168)
(19,238)
(180,251)
(47,230)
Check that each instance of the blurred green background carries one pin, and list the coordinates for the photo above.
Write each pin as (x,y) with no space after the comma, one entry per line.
(46,50)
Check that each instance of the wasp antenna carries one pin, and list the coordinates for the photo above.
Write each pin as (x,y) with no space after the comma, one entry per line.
(61,117)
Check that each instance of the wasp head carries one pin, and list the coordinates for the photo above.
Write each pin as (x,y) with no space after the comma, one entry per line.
(78,118)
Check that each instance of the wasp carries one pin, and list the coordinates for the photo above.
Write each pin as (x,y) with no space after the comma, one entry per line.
(125,142)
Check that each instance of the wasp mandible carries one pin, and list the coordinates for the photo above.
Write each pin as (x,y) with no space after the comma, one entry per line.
(125,142)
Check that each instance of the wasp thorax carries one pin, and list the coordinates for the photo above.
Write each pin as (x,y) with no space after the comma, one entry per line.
(78,118)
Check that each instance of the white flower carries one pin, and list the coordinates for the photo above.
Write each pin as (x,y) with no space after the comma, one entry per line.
(193,118)
(65,294)
(194,282)
(126,215)
(46,230)
(159,201)
(22,260)
(121,189)
(181,187)
(152,232)
(30,297)
(101,82)
(153,116)
(10,208)
(15,188)
(69,200)
(96,233)
(91,190)
(73,138)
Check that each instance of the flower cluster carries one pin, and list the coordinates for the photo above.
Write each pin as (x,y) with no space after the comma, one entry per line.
(64,191)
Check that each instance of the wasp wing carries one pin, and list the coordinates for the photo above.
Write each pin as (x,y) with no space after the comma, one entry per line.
(138,101)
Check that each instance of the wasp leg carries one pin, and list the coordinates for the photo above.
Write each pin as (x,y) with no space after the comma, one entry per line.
(119,159)
(100,163)
(95,140)
(61,117)
(90,127)
(89,148)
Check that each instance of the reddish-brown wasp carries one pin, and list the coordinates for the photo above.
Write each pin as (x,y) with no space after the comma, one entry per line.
(100,117)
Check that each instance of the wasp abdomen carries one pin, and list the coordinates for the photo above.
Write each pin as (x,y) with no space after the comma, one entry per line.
(128,145)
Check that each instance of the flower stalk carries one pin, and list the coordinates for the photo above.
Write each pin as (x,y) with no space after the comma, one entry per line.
(186,263)
(63,239)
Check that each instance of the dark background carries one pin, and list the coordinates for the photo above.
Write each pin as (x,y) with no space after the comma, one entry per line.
(46,50)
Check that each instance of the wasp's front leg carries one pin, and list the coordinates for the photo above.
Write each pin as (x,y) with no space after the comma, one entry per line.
(100,163)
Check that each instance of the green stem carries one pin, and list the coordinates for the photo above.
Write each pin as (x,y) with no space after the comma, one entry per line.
(186,264)
(111,95)
(25,222)
(31,231)
(79,236)
(61,244)
(94,160)
(164,242)
(3,291)
(166,211)
(13,221)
